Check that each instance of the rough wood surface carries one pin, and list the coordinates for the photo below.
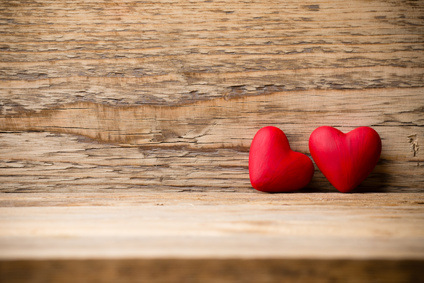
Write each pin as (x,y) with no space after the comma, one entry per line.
(125,128)
(170,93)
(174,52)
(187,84)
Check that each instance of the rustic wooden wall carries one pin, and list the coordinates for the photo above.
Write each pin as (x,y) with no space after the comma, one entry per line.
(125,129)
(99,95)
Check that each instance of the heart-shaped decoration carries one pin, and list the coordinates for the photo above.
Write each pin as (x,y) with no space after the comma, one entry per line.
(345,159)
(273,166)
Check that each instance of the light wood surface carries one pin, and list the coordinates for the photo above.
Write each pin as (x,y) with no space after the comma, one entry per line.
(210,236)
(125,129)
(212,225)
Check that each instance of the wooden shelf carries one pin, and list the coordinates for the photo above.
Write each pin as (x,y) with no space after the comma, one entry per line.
(198,232)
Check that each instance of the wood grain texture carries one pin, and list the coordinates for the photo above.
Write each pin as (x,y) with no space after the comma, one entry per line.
(189,84)
(173,52)
(210,236)
(204,144)
(125,128)
(212,225)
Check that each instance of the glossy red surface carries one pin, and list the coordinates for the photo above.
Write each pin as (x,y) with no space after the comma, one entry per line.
(273,166)
(345,159)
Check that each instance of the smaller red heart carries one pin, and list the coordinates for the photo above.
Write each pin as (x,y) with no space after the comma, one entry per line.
(345,159)
(273,166)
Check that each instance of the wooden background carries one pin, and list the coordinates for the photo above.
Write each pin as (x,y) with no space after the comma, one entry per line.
(170,94)
(110,103)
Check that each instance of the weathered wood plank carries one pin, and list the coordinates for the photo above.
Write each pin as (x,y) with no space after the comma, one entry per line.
(204,144)
(42,162)
(190,84)
(173,52)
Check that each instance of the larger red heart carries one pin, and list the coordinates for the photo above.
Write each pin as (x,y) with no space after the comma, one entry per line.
(273,166)
(345,159)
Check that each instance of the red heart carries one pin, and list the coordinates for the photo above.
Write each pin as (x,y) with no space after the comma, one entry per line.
(345,159)
(273,166)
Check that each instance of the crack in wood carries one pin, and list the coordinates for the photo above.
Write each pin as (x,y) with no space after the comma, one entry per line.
(224,123)
(413,140)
